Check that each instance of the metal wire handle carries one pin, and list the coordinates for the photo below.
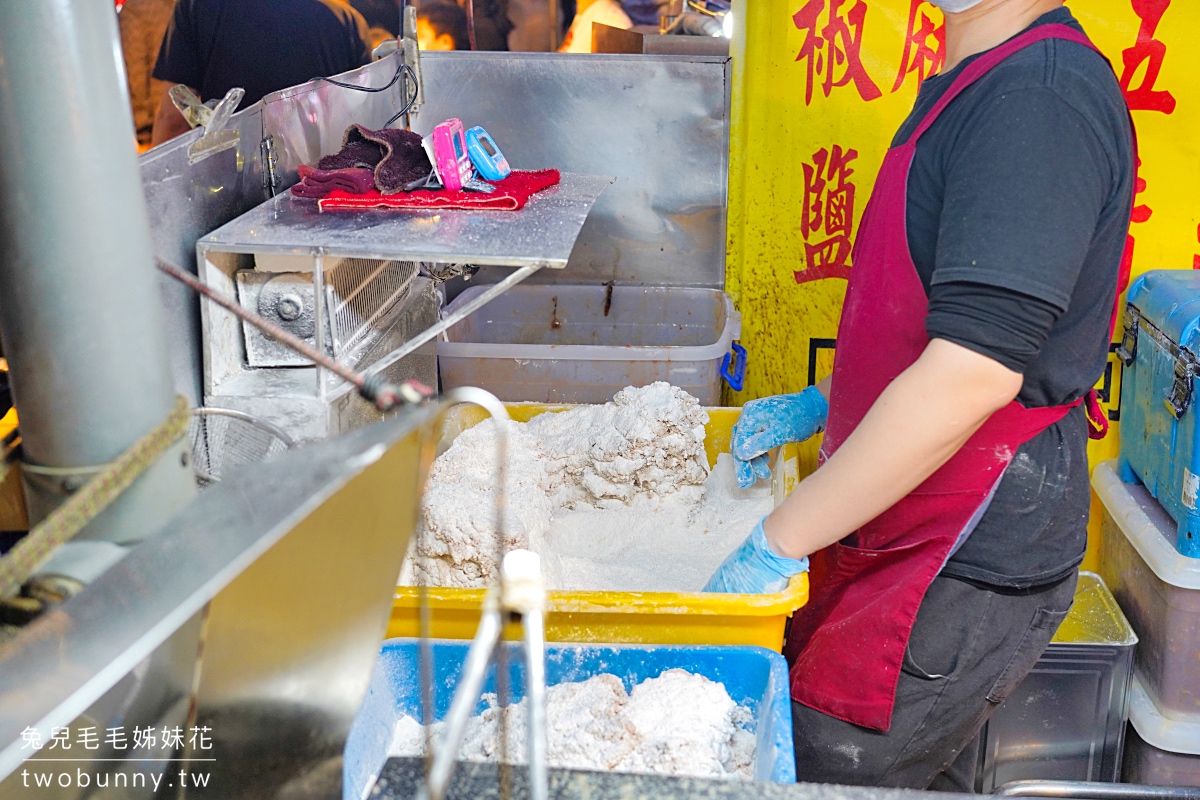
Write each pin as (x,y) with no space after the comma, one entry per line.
(271,441)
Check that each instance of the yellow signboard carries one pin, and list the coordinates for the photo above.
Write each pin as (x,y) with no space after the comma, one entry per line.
(820,87)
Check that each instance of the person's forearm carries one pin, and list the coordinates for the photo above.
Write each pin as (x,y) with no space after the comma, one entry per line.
(168,122)
(916,425)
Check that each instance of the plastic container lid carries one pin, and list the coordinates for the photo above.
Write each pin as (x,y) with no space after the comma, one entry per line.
(1147,526)
(1157,730)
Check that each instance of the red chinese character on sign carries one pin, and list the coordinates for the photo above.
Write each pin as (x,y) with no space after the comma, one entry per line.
(1196,258)
(813,213)
(1143,212)
(806,20)
(918,56)
(1148,51)
(833,52)
(828,212)
(839,199)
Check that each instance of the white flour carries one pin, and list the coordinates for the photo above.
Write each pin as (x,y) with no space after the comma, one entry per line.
(674,545)
(643,451)
(676,724)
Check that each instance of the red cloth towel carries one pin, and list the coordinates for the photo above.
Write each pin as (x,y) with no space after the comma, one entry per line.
(316,183)
(511,194)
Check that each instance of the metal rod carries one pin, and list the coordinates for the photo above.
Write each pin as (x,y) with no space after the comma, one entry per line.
(471,23)
(466,695)
(80,306)
(533,622)
(319,314)
(1085,790)
(495,408)
(440,767)
(435,330)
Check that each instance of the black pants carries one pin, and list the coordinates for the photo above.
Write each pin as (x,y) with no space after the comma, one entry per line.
(969,648)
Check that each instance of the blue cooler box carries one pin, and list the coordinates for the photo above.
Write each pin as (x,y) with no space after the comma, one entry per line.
(1158,395)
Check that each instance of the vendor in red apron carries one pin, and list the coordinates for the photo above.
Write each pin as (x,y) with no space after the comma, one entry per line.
(952,500)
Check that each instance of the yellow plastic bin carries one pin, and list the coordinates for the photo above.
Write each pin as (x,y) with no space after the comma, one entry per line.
(622,617)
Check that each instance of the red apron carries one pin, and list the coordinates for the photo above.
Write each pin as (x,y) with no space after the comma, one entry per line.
(847,646)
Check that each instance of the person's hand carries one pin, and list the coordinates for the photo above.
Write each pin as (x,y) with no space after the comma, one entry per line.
(770,422)
(754,568)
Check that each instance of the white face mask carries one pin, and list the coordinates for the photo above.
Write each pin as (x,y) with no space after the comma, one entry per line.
(955,6)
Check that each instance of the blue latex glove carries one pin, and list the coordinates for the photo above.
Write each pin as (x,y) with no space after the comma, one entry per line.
(753,568)
(770,422)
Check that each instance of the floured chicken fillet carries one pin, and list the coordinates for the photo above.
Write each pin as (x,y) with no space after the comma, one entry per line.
(687,724)
(647,444)
(456,543)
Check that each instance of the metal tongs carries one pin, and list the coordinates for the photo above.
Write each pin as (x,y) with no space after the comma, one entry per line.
(519,596)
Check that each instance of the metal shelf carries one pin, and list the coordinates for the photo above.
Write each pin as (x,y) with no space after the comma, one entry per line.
(541,234)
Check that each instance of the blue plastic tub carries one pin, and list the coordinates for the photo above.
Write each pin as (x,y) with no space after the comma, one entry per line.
(753,676)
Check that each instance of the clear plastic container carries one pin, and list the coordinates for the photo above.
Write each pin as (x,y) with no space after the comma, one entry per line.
(1159,751)
(583,344)
(1158,589)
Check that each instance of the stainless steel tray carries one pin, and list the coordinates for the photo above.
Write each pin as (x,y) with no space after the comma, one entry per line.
(541,234)
(1066,720)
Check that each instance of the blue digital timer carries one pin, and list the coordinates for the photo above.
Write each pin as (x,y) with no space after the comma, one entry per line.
(486,156)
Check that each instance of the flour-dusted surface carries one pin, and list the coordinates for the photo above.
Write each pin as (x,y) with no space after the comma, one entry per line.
(644,450)
(679,723)
(672,545)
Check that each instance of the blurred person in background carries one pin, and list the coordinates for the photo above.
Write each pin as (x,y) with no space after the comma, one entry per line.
(442,25)
(143,23)
(383,19)
(606,12)
(492,24)
(262,46)
(645,12)
(530,30)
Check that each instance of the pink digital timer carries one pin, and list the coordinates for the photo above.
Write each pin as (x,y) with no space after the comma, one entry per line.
(447,149)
